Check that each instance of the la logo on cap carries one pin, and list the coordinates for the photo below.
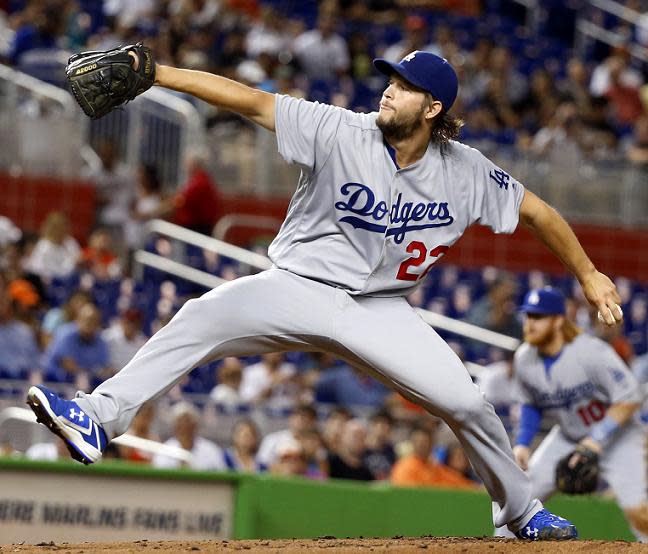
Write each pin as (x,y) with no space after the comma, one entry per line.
(410,56)
(534,298)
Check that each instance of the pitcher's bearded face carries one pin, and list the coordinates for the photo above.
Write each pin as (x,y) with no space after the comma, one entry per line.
(402,109)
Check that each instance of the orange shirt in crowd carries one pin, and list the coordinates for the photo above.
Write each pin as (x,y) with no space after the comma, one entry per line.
(412,471)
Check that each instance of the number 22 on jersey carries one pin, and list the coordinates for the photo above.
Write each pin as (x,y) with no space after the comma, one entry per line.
(421,255)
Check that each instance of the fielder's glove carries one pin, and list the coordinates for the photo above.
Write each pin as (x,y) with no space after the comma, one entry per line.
(578,472)
(103,80)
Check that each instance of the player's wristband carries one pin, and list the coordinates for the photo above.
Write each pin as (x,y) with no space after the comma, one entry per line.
(604,430)
(530,418)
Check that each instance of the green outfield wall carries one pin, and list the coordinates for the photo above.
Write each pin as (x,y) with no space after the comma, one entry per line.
(250,506)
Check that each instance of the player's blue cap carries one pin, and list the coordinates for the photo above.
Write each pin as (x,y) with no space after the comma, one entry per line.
(427,71)
(545,301)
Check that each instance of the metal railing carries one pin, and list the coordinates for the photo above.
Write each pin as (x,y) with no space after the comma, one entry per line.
(259,261)
(157,128)
(587,30)
(153,447)
(259,222)
(34,116)
(51,135)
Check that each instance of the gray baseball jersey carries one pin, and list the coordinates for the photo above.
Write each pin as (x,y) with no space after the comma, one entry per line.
(578,387)
(358,222)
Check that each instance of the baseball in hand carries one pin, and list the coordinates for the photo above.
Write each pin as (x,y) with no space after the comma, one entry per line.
(600,316)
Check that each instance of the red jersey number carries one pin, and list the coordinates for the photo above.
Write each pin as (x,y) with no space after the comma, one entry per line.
(421,254)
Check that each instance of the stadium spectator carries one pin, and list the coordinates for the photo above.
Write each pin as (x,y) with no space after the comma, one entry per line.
(541,100)
(18,346)
(457,460)
(302,417)
(637,152)
(26,303)
(78,353)
(56,317)
(418,468)
(380,455)
(145,207)
(333,426)
(197,205)
(141,427)
(496,311)
(99,257)
(509,81)
(206,455)
(226,393)
(272,381)
(618,65)
(125,337)
(242,455)
(290,459)
(599,137)
(39,29)
(268,34)
(623,95)
(348,387)
(47,451)
(321,52)
(315,455)
(560,139)
(575,87)
(195,13)
(349,462)
(129,13)
(414,30)
(115,189)
(56,253)
(497,384)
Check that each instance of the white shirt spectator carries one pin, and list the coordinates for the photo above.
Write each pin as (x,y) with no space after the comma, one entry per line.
(257,378)
(120,348)
(601,79)
(116,187)
(42,451)
(54,260)
(135,234)
(226,396)
(260,40)
(207,455)
(321,57)
(270,446)
(130,12)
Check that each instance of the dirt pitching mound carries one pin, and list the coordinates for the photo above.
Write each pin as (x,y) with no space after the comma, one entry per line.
(331,545)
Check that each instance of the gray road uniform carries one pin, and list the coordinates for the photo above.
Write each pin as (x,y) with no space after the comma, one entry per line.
(360,234)
(576,390)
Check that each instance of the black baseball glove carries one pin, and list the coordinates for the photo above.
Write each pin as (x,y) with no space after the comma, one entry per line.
(103,80)
(578,472)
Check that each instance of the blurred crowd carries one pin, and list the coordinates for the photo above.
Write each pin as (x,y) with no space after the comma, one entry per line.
(519,87)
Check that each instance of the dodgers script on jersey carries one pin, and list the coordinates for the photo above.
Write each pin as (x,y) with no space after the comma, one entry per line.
(579,386)
(359,222)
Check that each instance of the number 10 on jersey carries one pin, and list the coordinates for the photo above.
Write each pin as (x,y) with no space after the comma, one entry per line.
(421,255)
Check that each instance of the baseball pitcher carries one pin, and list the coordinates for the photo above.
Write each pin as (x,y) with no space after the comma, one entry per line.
(381,197)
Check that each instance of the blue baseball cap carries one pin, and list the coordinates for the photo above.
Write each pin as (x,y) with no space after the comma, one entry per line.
(427,71)
(545,301)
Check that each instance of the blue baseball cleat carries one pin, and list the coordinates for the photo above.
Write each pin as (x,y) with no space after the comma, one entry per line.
(546,526)
(84,438)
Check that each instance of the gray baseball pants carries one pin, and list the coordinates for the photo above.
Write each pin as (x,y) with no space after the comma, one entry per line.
(279,311)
